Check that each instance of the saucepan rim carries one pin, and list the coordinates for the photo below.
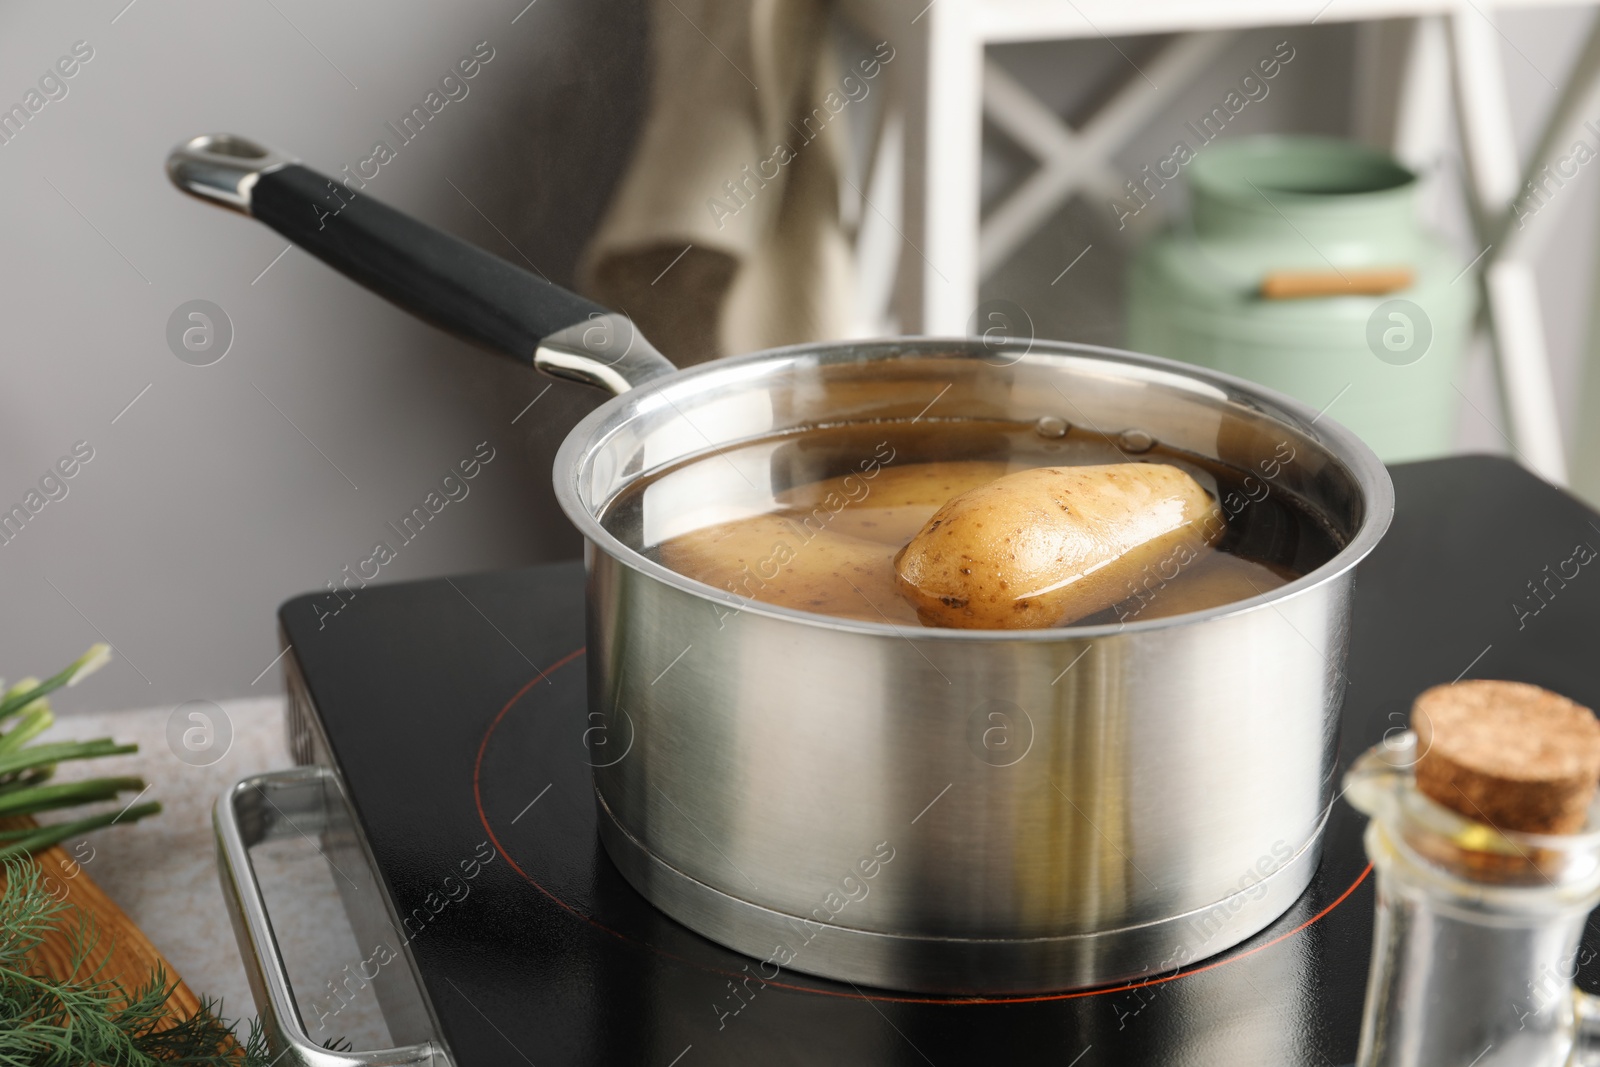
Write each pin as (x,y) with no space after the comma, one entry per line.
(1364,466)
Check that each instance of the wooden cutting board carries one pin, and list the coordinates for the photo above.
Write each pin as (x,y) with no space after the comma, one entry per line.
(132,959)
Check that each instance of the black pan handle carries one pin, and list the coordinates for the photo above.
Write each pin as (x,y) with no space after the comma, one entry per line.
(458,287)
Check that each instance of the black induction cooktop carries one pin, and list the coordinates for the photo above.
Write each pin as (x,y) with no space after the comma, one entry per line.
(454,711)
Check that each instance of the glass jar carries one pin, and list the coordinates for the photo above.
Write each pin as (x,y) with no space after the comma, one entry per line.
(1479,932)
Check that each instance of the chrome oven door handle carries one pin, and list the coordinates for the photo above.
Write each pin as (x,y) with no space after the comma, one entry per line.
(260,808)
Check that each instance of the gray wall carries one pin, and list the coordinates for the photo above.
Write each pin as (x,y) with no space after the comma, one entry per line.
(203,506)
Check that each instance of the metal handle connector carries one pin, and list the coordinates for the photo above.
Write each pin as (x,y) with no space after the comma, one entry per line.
(222,167)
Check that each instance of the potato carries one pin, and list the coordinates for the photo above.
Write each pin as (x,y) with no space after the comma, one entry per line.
(892,505)
(776,560)
(831,549)
(1047,546)
(1213,578)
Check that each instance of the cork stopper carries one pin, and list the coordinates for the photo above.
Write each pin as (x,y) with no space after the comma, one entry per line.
(1509,754)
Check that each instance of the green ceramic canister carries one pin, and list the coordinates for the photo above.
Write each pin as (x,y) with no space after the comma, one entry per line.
(1262,206)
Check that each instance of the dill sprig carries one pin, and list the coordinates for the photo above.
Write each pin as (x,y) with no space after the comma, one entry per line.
(88,1017)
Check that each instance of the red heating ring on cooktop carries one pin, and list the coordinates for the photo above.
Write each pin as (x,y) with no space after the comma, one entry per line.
(477,799)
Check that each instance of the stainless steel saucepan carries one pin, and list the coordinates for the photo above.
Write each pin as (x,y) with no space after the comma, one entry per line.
(940,810)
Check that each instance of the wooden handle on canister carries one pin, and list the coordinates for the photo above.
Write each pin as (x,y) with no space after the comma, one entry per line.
(1298,284)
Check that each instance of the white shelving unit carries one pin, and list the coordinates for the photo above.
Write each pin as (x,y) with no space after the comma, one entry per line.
(924,256)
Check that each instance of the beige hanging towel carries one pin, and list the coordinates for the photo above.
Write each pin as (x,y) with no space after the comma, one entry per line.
(724,235)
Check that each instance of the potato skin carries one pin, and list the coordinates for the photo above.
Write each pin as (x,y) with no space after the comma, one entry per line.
(776,560)
(1047,546)
(897,503)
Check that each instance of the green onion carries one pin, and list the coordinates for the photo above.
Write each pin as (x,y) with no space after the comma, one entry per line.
(26,766)
(44,836)
(28,690)
(66,795)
